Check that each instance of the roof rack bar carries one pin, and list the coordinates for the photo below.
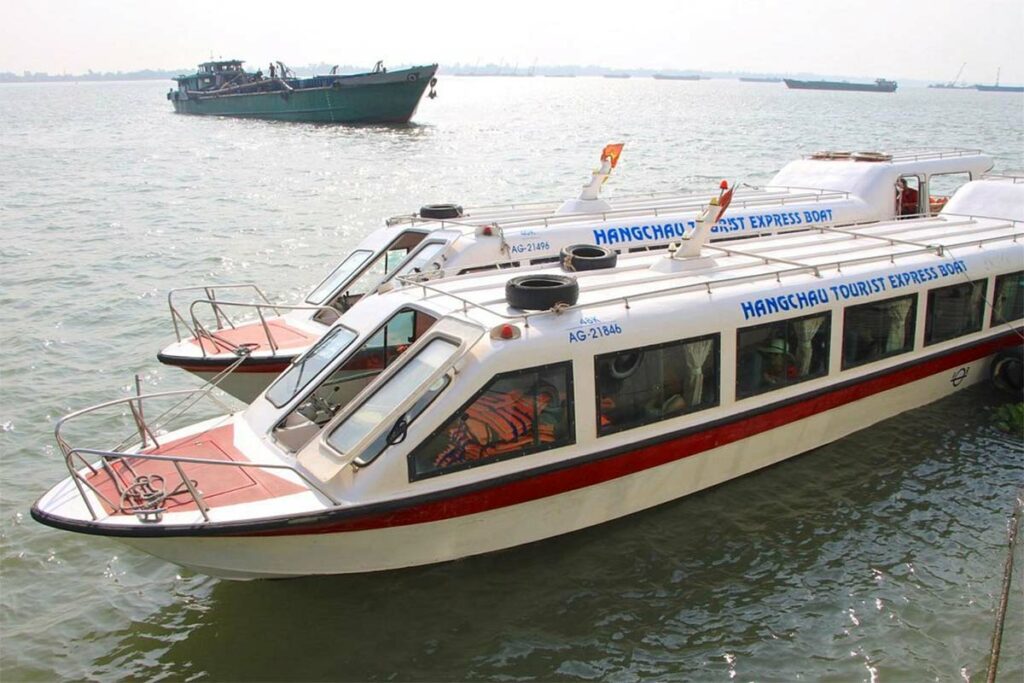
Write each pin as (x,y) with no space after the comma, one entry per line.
(794,268)
(766,259)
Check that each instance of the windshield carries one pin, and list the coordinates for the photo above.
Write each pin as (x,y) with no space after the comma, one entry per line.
(309,365)
(422,261)
(339,275)
(388,397)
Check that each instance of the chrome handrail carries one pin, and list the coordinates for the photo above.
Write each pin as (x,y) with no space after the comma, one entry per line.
(210,291)
(781,195)
(109,457)
(200,332)
(793,268)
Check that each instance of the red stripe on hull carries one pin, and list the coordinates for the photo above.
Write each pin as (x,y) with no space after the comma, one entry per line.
(505,493)
(242,369)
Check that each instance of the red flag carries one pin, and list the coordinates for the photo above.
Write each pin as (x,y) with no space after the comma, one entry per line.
(612,153)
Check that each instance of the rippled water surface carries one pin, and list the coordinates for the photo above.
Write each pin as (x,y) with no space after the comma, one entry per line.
(877,558)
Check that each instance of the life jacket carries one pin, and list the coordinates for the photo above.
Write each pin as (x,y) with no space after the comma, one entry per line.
(496,423)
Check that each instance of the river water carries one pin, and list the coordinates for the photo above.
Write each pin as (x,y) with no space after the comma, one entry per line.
(877,558)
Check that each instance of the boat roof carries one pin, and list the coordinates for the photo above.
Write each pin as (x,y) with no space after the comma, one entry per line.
(818,176)
(818,255)
(223,62)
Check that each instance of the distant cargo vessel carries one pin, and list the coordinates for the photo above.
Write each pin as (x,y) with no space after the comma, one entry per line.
(224,88)
(999,88)
(880,85)
(677,77)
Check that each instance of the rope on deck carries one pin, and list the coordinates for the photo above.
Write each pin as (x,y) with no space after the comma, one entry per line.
(1004,597)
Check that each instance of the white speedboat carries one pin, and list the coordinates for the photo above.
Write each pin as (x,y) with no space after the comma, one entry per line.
(520,407)
(258,339)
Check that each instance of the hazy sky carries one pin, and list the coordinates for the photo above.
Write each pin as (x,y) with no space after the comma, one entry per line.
(922,39)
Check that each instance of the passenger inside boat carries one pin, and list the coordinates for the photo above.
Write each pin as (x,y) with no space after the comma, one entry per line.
(878,330)
(907,198)
(640,386)
(775,355)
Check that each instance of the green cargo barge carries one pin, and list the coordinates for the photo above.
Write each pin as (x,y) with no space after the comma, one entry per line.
(224,88)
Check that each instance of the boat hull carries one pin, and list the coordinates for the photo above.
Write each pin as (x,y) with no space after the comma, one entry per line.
(384,98)
(839,85)
(564,497)
(999,88)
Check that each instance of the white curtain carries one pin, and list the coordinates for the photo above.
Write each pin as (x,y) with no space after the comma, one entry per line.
(695,354)
(897,312)
(805,330)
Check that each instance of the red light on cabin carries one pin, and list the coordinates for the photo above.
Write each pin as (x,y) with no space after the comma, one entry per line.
(724,185)
(507,331)
(487,231)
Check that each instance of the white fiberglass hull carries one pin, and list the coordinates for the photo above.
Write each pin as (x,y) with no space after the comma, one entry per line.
(386,547)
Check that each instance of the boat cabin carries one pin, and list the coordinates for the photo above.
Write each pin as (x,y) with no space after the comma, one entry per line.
(212,76)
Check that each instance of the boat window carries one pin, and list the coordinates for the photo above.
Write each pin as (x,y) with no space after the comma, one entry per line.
(941,187)
(517,413)
(878,330)
(387,398)
(639,386)
(427,258)
(908,196)
(309,365)
(343,272)
(364,364)
(381,266)
(954,311)
(780,354)
(371,276)
(1009,301)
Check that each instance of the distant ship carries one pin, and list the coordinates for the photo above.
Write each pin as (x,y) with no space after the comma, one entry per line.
(758,79)
(880,85)
(999,88)
(224,88)
(677,77)
(952,85)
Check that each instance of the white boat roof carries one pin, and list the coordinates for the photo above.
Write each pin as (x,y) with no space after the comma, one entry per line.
(817,255)
(814,177)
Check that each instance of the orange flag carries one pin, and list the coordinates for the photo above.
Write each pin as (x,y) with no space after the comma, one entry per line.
(612,153)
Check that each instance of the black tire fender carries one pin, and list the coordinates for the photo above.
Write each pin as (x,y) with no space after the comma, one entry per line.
(579,257)
(440,211)
(541,292)
(625,364)
(1007,372)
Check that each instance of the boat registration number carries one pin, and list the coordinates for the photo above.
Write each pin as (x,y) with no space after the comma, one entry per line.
(583,334)
(530,247)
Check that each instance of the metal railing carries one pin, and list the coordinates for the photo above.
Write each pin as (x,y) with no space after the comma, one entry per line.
(675,202)
(223,320)
(211,294)
(141,496)
(791,268)
(202,334)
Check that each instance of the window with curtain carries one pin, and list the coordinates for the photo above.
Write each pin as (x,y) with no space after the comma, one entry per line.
(878,330)
(647,384)
(780,354)
(1008,304)
(954,311)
